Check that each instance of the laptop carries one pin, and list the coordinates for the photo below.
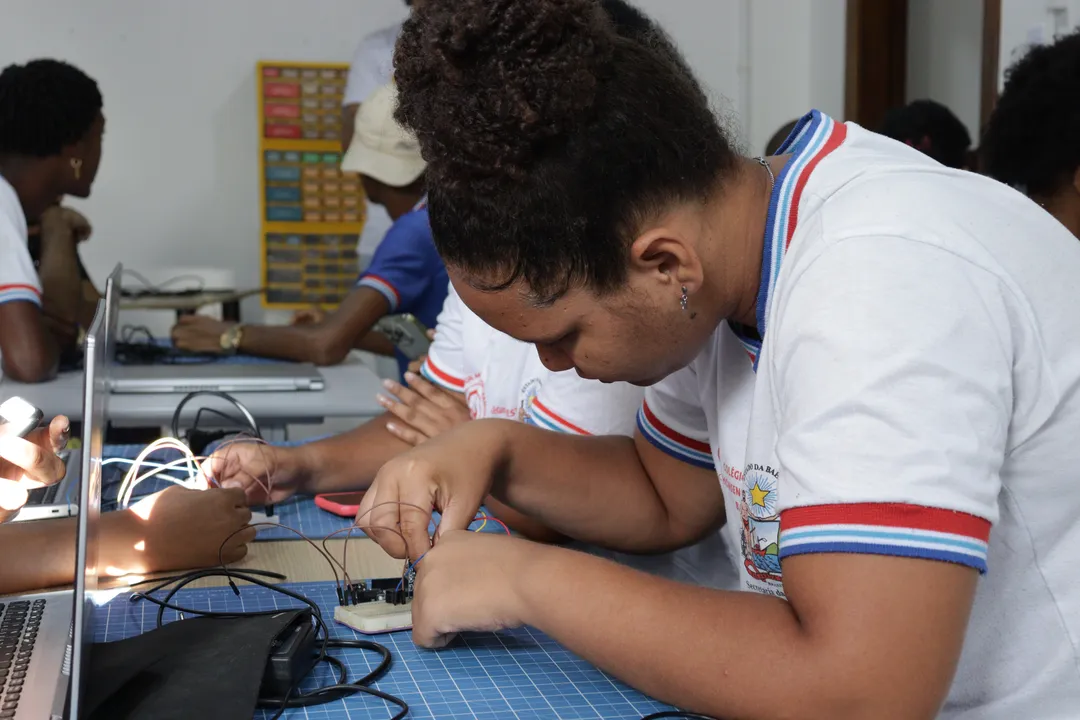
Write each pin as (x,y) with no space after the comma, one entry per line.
(214,376)
(59,500)
(220,377)
(45,637)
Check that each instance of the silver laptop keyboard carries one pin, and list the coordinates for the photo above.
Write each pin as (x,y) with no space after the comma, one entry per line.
(19,625)
(44,495)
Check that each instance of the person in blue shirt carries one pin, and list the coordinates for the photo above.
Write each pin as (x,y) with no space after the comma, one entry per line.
(406,275)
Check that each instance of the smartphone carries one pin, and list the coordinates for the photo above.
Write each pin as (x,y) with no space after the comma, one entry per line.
(345,504)
(406,333)
(18,417)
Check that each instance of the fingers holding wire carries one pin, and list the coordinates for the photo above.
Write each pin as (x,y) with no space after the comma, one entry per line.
(400,527)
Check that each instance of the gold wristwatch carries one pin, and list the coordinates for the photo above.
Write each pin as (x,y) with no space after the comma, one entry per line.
(230,339)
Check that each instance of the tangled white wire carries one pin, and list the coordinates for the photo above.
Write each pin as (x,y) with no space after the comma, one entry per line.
(188,463)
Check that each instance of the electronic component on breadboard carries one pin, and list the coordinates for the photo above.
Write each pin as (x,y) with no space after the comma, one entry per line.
(378,605)
(384,591)
(373,618)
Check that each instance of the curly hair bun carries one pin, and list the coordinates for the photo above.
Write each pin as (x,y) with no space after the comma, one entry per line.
(485,83)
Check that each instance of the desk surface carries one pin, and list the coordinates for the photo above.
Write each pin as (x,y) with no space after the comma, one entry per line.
(350,392)
(192,301)
(299,562)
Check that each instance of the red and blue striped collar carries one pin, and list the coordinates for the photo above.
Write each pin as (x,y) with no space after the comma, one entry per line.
(814,137)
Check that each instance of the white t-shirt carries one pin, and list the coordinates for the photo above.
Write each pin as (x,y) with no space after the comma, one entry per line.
(917,395)
(372,65)
(503,378)
(18,280)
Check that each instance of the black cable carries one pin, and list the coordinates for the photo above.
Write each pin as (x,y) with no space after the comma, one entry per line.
(377,693)
(166,581)
(248,417)
(212,411)
(677,714)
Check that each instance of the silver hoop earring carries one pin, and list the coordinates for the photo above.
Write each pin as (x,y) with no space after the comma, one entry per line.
(684,300)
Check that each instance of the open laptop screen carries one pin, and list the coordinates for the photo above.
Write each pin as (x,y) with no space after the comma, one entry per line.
(100,349)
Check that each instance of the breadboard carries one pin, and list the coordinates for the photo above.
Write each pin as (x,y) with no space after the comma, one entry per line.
(374,618)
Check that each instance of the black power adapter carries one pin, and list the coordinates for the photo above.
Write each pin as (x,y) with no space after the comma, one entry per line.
(292,657)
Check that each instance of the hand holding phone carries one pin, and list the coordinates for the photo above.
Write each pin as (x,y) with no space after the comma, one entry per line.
(406,333)
(18,417)
(23,465)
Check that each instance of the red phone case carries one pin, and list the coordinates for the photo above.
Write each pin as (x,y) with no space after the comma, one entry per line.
(337,504)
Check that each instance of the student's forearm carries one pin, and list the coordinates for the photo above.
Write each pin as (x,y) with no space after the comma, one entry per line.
(703,650)
(592,489)
(37,554)
(375,342)
(348,461)
(298,343)
(61,283)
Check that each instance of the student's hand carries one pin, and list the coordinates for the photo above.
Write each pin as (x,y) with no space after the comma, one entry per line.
(467,582)
(451,473)
(310,316)
(253,468)
(63,223)
(30,463)
(198,333)
(424,410)
(177,529)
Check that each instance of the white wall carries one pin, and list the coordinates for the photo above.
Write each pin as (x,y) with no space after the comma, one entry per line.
(178,185)
(1028,22)
(944,60)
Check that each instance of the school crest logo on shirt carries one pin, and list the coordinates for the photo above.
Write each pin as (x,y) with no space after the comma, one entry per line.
(528,393)
(761,523)
(475,398)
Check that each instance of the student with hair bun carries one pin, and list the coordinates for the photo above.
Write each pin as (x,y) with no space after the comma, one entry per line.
(901,502)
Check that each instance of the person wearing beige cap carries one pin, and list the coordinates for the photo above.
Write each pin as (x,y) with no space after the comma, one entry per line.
(406,274)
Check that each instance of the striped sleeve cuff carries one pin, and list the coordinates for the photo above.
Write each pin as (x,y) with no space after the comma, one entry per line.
(542,416)
(14,292)
(434,374)
(382,286)
(675,444)
(886,529)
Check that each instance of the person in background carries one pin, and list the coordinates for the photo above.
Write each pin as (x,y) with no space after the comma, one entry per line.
(932,129)
(51,126)
(177,529)
(779,137)
(1030,139)
(901,499)
(372,67)
(406,274)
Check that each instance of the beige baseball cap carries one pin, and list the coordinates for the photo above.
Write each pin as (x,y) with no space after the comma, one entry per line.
(381,148)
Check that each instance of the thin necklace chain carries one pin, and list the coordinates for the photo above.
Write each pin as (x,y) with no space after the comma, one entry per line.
(768,168)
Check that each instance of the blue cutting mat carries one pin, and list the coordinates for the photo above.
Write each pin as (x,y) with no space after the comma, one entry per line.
(298,513)
(520,674)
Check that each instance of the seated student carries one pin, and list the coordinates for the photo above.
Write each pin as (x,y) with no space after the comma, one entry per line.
(932,129)
(405,275)
(50,146)
(177,529)
(902,497)
(1031,141)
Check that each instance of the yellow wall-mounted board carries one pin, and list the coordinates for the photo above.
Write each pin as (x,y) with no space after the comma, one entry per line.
(311,213)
